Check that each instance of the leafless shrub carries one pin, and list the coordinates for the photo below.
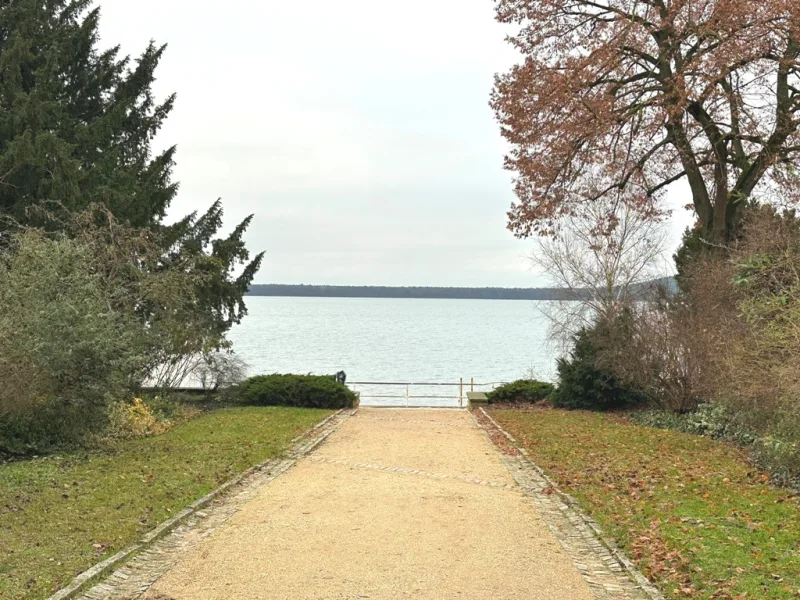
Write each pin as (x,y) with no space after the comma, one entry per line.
(220,370)
(658,354)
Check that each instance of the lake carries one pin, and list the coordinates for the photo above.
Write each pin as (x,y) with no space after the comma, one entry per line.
(396,340)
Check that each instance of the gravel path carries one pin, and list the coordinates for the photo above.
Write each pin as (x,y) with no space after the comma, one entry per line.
(396,504)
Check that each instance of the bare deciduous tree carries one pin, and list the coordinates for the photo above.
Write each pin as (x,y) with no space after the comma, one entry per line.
(661,354)
(604,257)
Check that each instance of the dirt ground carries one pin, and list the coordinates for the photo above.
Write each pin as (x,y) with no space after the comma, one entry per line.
(396,504)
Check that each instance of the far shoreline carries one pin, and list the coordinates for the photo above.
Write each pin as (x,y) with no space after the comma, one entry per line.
(431,293)
(409,293)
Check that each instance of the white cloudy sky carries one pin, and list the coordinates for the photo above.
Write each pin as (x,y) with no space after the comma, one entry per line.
(357,131)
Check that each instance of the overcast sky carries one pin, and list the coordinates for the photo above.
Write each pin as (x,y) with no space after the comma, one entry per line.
(357,131)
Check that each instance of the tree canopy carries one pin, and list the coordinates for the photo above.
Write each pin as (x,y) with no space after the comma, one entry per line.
(625,97)
(77,123)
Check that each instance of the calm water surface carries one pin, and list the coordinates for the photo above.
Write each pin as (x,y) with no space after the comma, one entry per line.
(396,340)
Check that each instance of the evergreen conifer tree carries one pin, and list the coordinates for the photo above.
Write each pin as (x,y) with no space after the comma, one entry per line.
(76,123)
(76,130)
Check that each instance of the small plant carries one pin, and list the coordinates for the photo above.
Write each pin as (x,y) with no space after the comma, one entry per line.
(134,419)
(304,391)
(521,391)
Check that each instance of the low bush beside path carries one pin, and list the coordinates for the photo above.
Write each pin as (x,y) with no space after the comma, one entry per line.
(690,511)
(59,515)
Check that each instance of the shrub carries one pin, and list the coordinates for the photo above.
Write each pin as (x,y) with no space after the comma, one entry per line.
(656,349)
(151,415)
(582,385)
(658,418)
(65,351)
(53,425)
(59,338)
(220,370)
(88,315)
(308,391)
(135,419)
(56,425)
(521,391)
(709,420)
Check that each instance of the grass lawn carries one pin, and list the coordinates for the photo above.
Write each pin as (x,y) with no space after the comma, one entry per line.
(60,515)
(691,512)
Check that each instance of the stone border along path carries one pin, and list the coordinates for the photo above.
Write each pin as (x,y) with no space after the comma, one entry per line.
(142,563)
(610,573)
(508,560)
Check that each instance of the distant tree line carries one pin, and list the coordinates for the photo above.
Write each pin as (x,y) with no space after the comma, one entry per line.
(363,291)
(464,293)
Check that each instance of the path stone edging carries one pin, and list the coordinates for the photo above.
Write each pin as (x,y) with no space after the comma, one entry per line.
(79,584)
(578,519)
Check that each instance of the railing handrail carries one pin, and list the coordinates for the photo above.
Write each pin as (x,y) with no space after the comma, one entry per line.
(427,383)
(462,386)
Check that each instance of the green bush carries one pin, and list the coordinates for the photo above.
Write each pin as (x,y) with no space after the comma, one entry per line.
(691,250)
(54,426)
(581,385)
(710,420)
(65,350)
(521,391)
(771,435)
(658,418)
(60,338)
(304,391)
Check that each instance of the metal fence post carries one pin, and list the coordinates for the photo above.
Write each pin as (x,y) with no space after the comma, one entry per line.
(461,393)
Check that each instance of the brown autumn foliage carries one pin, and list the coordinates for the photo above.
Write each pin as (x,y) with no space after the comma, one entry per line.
(733,337)
(625,97)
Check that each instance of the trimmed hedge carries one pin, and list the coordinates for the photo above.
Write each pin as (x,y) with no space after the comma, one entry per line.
(303,391)
(521,391)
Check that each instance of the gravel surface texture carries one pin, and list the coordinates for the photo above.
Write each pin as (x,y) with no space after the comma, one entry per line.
(395,504)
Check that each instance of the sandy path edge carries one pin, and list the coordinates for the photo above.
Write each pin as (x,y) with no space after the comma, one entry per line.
(395,504)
